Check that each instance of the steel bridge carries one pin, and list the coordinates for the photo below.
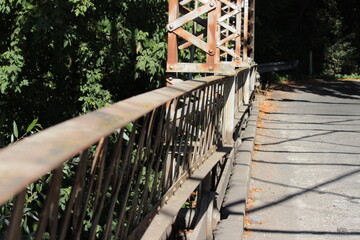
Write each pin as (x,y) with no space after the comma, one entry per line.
(154,166)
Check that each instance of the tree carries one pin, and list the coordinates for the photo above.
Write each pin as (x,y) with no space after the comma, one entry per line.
(288,30)
(59,59)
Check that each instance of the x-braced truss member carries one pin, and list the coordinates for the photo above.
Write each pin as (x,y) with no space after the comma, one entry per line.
(210,36)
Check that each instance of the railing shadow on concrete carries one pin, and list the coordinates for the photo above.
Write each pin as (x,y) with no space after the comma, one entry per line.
(130,167)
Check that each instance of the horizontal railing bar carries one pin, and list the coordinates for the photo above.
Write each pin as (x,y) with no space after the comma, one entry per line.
(26,161)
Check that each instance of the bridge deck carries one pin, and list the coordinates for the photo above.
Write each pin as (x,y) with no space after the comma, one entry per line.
(305,181)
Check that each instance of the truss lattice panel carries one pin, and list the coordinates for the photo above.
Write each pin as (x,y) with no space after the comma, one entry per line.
(220,33)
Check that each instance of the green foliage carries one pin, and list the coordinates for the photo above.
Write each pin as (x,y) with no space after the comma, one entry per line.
(93,94)
(288,30)
(32,128)
(348,76)
(15,132)
(339,57)
(151,55)
(59,59)
(30,217)
(339,52)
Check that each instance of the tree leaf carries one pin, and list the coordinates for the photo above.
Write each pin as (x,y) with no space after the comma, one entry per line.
(15,130)
(32,125)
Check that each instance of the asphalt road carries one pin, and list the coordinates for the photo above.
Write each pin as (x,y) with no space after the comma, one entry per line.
(305,180)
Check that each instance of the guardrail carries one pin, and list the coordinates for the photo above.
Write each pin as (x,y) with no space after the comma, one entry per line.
(130,167)
(277,66)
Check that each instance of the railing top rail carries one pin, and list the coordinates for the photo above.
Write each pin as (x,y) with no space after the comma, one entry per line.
(26,161)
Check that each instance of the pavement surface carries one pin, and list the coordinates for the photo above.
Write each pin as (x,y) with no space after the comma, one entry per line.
(305,177)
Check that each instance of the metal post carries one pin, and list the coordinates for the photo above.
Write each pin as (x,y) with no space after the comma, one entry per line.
(246,30)
(172,56)
(252,78)
(229,110)
(310,63)
(252,31)
(246,87)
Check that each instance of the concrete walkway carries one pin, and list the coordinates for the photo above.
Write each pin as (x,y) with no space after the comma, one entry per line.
(305,180)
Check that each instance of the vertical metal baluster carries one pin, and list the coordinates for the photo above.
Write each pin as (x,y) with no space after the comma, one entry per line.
(119,180)
(163,154)
(121,221)
(200,128)
(81,216)
(220,110)
(214,115)
(179,138)
(141,161)
(50,208)
(189,131)
(145,202)
(236,91)
(197,130)
(217,110)
(118,183)
(80,204)
(164,151)
(170,156)
(100,175)
(182,126)
(148,163)
(75,190)
(96,174)
(212,118)
(54,205)
(218,113)
(206,121)
(194,128)
(112,174)
(185,166)
(216,118)
(100,188)
(15,230)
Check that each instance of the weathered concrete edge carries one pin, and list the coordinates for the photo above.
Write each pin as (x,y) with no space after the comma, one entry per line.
(234,206)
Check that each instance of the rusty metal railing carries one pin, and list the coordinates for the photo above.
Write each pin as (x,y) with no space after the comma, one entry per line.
(129,167)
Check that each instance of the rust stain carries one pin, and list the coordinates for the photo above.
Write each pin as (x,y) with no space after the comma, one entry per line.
(255,189)
(247,233)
